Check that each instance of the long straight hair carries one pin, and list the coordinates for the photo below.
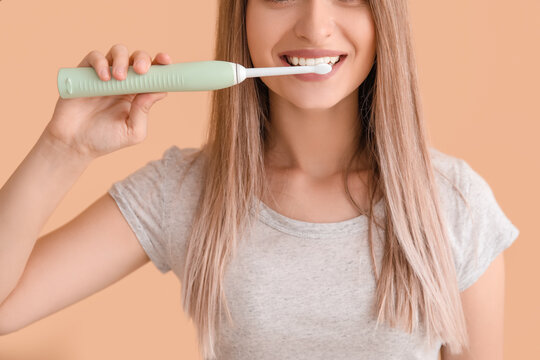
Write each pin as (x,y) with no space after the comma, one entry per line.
(417,276)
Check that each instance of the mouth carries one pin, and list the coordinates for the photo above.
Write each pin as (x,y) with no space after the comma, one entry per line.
(299,61)
(315,77)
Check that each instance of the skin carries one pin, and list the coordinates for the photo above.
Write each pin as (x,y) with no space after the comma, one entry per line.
(313,123)
(483,305)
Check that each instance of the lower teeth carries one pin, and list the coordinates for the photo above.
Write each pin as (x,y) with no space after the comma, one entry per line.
(315,64)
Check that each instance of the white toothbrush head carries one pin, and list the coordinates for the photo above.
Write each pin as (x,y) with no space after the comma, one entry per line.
(322,69)
(242,73)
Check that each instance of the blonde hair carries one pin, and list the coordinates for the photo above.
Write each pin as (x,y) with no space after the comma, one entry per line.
(417,275)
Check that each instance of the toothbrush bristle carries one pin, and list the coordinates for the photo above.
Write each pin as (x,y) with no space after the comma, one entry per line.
(322,69)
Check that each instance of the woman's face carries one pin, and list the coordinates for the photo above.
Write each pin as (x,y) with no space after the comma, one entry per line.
(312,29)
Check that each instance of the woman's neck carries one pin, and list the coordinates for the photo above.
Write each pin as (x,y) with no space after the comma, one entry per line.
(316,143)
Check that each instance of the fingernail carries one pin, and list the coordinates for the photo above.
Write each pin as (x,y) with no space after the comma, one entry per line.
(104,73)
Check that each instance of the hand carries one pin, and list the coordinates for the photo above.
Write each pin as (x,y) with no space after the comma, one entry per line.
(95,126)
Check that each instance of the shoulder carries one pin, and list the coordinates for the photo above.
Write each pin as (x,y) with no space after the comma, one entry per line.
(453,179)
(183,170)
(450,167)
(184,162)
(477,225)
(455,173)
(456,177)
(452,175)
(181,191)
(459,187)
(177,157)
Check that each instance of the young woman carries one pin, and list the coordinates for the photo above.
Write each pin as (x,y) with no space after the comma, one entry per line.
(315,222)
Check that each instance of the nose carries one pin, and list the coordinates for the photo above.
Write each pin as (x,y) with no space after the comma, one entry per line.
(315,21)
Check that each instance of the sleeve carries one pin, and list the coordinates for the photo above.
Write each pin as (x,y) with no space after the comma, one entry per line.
(486,229)
(140,197)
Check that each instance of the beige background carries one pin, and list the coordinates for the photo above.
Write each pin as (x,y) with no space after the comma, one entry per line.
(478,67)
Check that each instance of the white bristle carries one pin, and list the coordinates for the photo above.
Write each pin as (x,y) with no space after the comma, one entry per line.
(242,73)
(323,68)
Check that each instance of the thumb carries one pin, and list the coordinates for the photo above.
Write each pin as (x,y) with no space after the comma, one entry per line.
(138,114)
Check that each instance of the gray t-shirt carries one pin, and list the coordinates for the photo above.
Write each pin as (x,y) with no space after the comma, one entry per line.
(301,290)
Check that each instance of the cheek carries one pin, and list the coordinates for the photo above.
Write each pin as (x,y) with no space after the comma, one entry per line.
(262,36)
(361,36)
(367,34)
(256,35)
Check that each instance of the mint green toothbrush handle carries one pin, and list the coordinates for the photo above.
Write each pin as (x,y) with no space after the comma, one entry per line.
(188,76)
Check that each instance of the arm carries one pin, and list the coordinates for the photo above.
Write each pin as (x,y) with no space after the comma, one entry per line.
(96,248)
(27,200)
(84,256)
(483,305)
(89,253)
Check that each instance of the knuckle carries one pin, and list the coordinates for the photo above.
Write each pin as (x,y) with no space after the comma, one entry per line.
(93,56)
(102,62)
(103,69)
(146,107)
(120,62)
(137,135)
(119,47)
(139,54)
(119,53)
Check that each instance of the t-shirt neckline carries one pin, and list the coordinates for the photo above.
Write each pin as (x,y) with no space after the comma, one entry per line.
(313,230)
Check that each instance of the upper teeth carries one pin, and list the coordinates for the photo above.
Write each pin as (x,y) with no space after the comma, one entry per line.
(312,61)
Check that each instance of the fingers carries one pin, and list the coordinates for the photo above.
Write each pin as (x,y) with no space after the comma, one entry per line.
(96,60)
(141,61)
(162,59)
(118,57)
(139,113)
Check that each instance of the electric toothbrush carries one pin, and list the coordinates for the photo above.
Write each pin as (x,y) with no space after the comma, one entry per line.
(187,76)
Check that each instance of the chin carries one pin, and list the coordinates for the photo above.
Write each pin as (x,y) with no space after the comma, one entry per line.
(307,97)
(315,106)
(313,101)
